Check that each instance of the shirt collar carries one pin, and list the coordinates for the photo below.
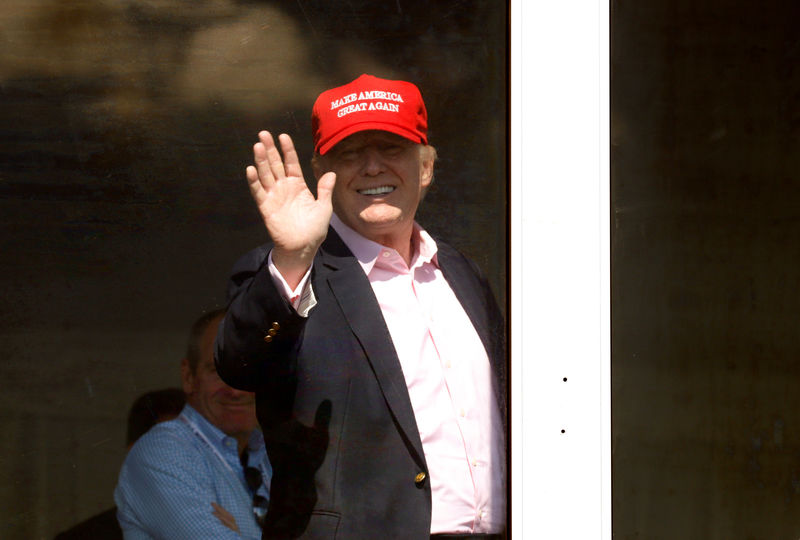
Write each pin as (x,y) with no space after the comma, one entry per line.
(216,435)
(366,251)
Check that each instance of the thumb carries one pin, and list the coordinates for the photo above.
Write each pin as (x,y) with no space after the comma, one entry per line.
(325,187)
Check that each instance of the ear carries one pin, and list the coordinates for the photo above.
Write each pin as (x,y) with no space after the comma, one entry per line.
(186,377)
(317,166)
(427,158)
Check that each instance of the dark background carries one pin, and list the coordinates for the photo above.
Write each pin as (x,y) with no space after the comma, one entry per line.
(705,269)
(125,128)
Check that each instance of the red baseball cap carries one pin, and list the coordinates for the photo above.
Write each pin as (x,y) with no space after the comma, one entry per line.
(368,103)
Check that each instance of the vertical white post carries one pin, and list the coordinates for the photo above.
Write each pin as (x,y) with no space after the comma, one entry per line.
(560,307)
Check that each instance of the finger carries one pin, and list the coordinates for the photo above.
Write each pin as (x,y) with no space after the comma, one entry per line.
(261,159)
(225,517)
(273,156)
(290,160)
(227,523)
(218,512)
(325,186)
(256,189)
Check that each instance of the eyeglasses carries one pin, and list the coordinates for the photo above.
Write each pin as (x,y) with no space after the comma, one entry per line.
(253,478)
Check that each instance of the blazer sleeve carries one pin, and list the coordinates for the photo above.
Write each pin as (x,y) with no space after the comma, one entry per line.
(258,338)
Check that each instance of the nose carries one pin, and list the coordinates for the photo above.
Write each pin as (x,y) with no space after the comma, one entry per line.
(373,162)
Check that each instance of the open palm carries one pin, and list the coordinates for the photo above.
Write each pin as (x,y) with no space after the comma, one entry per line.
(296,221)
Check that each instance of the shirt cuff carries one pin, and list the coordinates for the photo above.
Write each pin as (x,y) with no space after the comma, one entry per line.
(301,298)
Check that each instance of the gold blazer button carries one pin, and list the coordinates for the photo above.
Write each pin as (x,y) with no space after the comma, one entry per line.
(420,478)
(267,338)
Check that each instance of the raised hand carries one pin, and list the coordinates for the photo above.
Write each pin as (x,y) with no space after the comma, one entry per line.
(295,220)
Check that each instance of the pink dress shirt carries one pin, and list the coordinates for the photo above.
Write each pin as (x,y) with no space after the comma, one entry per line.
(448,376)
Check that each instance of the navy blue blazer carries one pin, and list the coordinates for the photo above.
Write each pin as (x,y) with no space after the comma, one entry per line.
(331,398)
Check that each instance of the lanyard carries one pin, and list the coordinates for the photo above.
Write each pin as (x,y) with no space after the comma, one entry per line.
(205,440)
(234,477)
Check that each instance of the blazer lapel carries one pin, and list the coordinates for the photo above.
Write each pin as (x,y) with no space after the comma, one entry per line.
(354,295)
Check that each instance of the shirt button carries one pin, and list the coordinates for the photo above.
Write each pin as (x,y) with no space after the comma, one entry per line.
(386,254)
(462,413)
(474,463)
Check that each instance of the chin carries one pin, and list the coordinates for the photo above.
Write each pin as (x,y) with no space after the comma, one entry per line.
(242,426)
(240,419)
(381,218)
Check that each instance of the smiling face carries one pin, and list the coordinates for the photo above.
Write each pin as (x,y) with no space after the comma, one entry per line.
(380,180)
(231,410)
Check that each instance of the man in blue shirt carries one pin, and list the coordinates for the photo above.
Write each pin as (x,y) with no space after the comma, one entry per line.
(204,474)
(148,410)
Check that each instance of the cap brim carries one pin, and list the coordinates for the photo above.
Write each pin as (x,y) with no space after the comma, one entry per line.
(367,126)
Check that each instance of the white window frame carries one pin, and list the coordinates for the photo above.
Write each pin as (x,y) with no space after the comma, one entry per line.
(560,281)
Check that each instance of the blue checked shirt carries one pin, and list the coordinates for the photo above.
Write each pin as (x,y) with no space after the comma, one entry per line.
(171,476)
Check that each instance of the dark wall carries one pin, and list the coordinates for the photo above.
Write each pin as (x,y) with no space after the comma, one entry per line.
(125,128)
(706,269)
